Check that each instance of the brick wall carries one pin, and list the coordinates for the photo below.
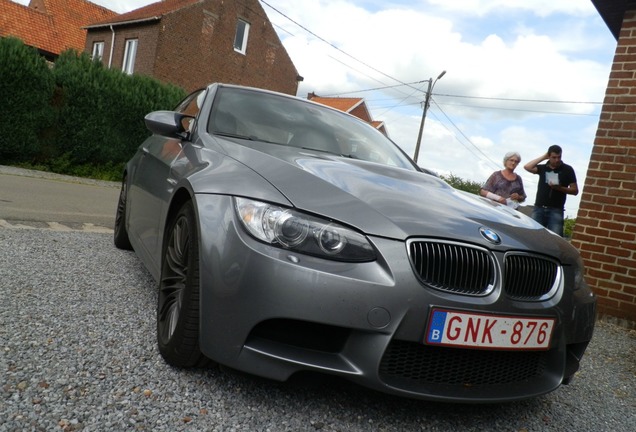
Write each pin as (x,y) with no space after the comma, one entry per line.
(361,112)
(605,230)
(145,58)
(194,47)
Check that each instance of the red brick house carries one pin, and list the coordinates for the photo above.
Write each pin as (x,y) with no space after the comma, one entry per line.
(354,106)
(605,230)
(191,43)
(50,26)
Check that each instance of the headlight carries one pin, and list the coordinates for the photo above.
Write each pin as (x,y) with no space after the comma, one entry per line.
(293,230)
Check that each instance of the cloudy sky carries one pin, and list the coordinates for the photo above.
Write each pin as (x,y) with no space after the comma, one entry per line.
(520,75)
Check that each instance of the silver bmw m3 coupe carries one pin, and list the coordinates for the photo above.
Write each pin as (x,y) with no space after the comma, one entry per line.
(286,236)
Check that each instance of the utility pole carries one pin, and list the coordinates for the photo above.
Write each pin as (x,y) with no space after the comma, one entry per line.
(427,101)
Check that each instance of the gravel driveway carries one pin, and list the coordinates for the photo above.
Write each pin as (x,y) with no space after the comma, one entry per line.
(77,352)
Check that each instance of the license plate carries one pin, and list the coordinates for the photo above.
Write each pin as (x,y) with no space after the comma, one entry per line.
(484,331)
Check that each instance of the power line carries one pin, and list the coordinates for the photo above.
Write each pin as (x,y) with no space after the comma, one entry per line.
(357,70)
(380,88)
(519,100)
(481,107)
(462,143)
(333,46)
(463,134)
(396,105)
(462,96)
(471,97)
(400,103)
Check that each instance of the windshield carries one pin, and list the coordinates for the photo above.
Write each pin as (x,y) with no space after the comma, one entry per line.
(260,116)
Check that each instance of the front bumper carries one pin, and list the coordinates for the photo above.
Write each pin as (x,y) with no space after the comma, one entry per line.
(273,313)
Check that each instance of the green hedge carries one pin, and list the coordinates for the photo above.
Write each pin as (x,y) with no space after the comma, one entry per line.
(74,113)
(26,88)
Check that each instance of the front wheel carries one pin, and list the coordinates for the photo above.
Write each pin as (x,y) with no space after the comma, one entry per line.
(178,304)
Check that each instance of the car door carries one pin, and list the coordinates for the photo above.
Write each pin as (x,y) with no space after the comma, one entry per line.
(154,181)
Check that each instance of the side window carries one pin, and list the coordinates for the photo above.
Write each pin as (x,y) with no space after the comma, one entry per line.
(129,56)
(240,39)
(98,50)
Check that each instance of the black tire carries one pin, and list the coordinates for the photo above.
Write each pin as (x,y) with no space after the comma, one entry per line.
(120,236)
(178,303)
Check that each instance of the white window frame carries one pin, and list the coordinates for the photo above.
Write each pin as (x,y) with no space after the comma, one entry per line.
(240,38)
(130,54)
(98,51)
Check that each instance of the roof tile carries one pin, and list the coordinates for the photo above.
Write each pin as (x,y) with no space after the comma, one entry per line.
(53,28)
(152,10)
(342,104)
(347,105)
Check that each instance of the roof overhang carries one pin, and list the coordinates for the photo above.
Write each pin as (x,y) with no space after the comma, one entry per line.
(612,12)
(122,23)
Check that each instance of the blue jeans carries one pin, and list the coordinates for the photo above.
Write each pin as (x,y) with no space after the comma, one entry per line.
(549,217)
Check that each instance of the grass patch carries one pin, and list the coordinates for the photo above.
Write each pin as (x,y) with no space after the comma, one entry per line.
(109,172)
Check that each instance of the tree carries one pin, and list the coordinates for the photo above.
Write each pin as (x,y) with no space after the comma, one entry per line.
(461,184)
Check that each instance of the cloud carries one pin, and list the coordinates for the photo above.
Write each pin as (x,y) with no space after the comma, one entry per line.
(540,8)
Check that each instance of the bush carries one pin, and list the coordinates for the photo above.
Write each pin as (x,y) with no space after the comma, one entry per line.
(102,110)
(26,115)
(568,227)
(75,117)
(461,184)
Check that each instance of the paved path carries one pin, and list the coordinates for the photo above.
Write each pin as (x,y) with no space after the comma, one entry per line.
(35,199)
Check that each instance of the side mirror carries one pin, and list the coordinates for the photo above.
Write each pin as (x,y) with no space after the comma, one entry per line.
(170,124)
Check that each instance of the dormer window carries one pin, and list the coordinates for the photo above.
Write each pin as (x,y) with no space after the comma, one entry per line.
(240,39)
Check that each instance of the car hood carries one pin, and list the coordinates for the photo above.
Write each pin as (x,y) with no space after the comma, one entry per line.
(389,202)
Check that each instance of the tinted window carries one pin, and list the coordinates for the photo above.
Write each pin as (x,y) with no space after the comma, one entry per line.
(273,118)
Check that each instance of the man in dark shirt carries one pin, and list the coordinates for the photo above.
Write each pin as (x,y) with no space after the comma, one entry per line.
(556,181)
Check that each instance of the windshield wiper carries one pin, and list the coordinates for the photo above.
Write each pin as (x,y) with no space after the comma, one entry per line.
(232,135)
(350,156)
(245,137)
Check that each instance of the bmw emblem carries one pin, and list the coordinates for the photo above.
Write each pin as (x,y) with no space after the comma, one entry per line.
(490,235)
